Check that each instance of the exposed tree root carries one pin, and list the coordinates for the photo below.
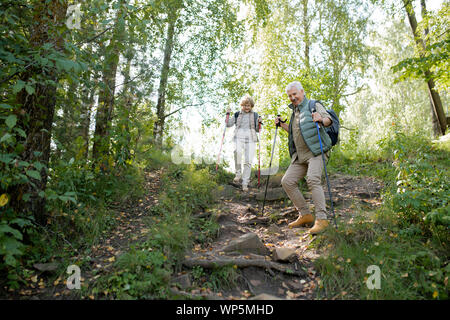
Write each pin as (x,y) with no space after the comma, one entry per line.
(187,295)
(243,263)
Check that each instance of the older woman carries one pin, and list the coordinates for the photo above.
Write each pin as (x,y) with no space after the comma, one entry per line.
(245,138)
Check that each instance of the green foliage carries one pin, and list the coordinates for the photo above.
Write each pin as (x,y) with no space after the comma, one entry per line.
(436,60)
(422,189)
(140,273)
(224,277)
(415,172)
(77,197)
(216,279)
(197,273)
(11,237)
(221,176)
(409,268)
(154,158)
(408,237)
(14,172)
(203,230)
(74,181)
(192,193)
(144,271)
(77,201)
(433,30)
(80,197)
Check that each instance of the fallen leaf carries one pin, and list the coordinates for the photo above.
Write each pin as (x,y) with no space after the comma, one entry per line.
(3,199)
(246,294)
(291,295)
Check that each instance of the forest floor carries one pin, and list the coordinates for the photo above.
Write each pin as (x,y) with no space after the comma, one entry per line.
(291,277)
(258,274)
(131,227)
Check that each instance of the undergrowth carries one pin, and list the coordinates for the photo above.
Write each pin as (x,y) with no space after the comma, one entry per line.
(407,238)
(144,272)
(80,205)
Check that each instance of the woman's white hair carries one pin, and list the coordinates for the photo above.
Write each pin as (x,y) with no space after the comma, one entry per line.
(247,99)
(294,84)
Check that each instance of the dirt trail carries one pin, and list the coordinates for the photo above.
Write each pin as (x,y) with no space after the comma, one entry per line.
(238,214)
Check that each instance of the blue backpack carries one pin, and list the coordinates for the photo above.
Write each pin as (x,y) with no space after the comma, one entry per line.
(333,130)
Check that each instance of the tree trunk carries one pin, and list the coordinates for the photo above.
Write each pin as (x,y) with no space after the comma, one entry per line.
(126,106)
(38,108)
(86,121)
(435,99)
(68,125)
(158,130)
(106,96)
(434,120)
(306,33)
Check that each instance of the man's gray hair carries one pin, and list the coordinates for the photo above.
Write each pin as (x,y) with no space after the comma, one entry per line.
(294,84)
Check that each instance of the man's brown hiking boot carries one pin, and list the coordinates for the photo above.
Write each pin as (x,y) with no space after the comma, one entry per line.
(319,226)
(302,220)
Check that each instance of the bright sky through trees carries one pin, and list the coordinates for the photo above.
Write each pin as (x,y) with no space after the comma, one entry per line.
(206,141)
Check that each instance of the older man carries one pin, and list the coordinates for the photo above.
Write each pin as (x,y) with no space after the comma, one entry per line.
(306,159)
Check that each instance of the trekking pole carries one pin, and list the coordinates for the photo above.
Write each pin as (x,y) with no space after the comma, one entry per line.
(325,167)
(271,157)
(259,154)
(223,137)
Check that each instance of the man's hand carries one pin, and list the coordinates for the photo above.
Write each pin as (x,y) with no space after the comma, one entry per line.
(318,118)
(283,125)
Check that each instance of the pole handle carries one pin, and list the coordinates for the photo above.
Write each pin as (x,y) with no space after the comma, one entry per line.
(281,121)
(313,110)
